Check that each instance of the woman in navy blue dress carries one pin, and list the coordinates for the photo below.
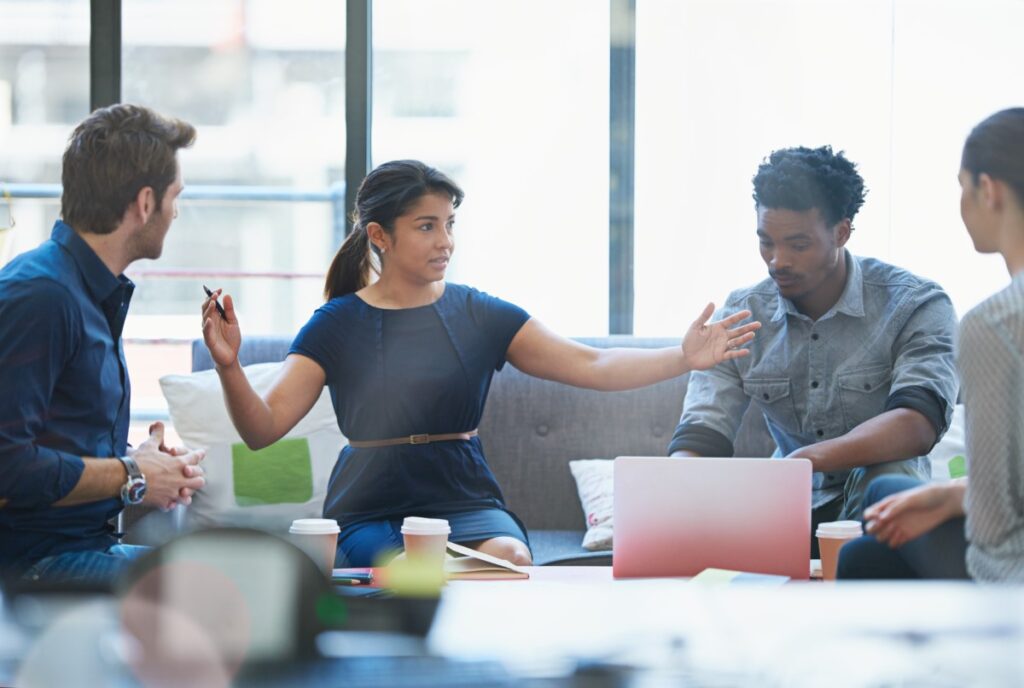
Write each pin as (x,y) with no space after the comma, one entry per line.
(408,359)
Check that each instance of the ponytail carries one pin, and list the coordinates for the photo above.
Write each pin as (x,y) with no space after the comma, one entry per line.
(352,266)
(383,196)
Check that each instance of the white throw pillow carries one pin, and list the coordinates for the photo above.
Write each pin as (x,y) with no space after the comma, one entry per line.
(267,489)
(952,444)
(594,481)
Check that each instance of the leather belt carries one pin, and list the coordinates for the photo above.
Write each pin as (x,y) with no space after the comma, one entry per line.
(413,439)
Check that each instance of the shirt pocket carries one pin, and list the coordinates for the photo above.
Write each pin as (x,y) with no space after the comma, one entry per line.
(863,393)
(774,397)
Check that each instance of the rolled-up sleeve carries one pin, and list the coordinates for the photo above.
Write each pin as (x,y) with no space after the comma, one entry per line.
(37,335)
(713,409)
(924,370)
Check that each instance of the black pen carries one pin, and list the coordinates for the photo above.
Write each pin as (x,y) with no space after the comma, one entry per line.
(220,309)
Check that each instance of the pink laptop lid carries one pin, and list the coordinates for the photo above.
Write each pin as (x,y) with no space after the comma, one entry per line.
(679,516)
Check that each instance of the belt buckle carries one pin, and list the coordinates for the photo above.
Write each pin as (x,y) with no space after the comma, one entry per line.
(419,439)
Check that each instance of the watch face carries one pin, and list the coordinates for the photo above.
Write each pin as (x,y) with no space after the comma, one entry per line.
(135,490)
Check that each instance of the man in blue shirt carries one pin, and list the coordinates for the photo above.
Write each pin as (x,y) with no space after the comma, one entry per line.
(65,466)
(853,367)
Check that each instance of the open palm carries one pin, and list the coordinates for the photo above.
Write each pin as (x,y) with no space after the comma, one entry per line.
(708,344)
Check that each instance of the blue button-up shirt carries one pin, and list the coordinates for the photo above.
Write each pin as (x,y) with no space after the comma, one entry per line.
(887,342)
(64,395)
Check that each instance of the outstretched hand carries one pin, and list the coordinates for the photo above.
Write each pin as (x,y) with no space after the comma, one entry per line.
(708,344)
(222,335)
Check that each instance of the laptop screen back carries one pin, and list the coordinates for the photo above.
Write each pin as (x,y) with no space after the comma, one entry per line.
(679,516)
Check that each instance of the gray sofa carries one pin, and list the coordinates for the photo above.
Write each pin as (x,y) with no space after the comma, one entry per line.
(532,428)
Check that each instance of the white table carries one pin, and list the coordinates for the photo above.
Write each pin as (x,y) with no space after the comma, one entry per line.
(801,634)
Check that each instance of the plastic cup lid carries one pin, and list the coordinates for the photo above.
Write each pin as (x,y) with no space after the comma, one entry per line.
(417,525)
(840,529)
(314,526)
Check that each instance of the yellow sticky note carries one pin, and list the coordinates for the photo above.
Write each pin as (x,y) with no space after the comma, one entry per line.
(715,576)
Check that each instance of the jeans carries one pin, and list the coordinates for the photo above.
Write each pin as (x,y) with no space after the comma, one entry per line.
(939,553)
(370,542)
(88,567)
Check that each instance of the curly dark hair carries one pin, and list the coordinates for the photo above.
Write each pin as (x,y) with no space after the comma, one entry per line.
(804,178)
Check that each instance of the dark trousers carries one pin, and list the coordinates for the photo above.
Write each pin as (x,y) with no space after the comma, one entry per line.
(939,553)
(849,506)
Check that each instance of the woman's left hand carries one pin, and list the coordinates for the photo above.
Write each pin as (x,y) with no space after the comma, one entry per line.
(708,344)
(907,515)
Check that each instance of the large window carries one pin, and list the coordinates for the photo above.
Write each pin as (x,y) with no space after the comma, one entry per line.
(954,63)
(511,100)
(894,83)
(267,96)
(44,91)
(266,93)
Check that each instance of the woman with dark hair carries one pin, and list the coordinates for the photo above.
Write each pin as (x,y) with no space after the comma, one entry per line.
(409,359)
(974,526)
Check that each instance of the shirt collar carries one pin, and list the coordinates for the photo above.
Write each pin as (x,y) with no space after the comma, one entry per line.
(851,301)
(98,278)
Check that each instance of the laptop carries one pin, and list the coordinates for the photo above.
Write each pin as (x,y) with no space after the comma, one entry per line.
(679,516)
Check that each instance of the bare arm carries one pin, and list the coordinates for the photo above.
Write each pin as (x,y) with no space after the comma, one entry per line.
(901,433)
(260,421)
(538,351)
(101,479)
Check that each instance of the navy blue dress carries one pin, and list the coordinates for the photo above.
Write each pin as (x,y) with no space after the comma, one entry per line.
(394,373)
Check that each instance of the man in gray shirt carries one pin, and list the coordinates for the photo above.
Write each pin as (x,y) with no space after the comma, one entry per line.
(853,367)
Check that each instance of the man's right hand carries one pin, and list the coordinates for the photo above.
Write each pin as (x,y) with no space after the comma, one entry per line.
(222,335)
(171,475)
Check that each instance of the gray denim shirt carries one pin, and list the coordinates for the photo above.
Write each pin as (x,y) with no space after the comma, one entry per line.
(817,380)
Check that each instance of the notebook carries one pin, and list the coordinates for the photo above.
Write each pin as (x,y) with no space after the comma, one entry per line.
(679,516)
(463,563)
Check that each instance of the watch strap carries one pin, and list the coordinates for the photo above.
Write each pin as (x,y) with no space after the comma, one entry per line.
(134,488)
(130,466)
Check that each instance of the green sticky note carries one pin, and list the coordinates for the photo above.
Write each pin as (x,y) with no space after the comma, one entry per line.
(279,474)
(957,466)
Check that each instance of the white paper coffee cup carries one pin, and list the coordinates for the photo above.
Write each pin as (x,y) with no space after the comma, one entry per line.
(831,537)
(318,538)
(425,538)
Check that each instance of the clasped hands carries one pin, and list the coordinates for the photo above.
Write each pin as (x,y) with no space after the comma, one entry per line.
(172,474)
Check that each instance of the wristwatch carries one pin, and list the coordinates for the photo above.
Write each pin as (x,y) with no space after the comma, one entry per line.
(134,488)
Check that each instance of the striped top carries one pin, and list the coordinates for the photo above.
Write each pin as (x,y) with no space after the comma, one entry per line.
(990,355)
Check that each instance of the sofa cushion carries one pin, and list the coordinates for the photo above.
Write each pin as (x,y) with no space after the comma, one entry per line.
(562,548)
(594,481)
(264,489)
